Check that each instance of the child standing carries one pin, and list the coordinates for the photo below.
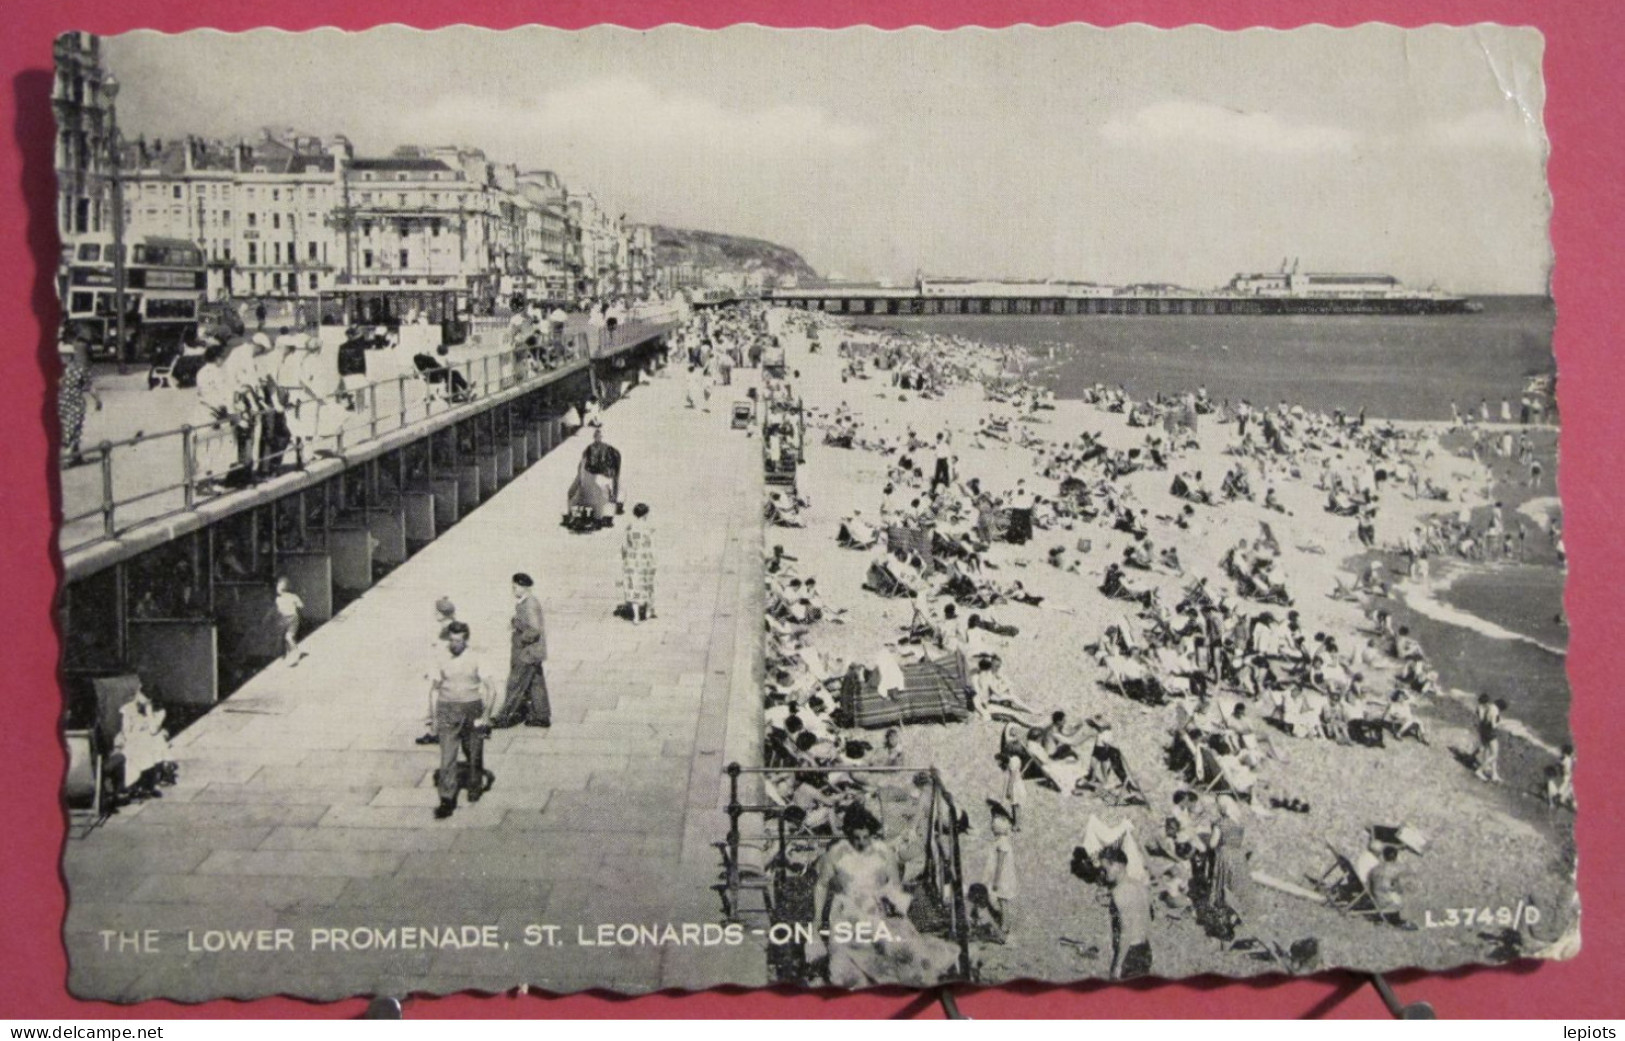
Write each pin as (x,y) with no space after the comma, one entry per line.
(1002,888)
(1015,787)
(288,609)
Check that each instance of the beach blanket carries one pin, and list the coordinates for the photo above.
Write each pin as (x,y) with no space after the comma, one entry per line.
(931,691)
(913,543)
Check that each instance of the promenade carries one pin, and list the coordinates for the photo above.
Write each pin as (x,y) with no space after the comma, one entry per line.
(146,474)
(303,803)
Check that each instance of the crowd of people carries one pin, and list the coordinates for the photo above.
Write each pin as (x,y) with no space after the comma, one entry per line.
(1219,647)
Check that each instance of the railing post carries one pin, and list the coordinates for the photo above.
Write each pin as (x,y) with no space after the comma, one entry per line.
(734,810)
(400,383)
(372,400)
(189,464)
(485,374)
(108,528)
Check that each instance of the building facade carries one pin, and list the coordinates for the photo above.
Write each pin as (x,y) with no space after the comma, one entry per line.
(83,137)
(290,215)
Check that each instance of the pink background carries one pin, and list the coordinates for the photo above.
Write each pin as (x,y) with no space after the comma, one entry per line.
(1584,75)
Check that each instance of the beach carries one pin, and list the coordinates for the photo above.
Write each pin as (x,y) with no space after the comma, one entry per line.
(1489,845)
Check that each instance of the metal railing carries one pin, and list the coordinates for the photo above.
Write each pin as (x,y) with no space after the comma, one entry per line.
(943,865)
(149,477)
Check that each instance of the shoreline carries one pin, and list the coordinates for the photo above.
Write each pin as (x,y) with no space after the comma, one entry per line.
(1048,664)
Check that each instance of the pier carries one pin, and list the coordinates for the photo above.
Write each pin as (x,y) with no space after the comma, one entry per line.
(909,303)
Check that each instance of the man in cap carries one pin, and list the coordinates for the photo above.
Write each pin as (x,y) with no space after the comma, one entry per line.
(526,701)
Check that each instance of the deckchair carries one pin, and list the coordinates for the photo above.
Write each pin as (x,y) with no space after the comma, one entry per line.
(775,516)
(1124,790)
(882,580)
(1343,887)
(1224,775)
(847,540)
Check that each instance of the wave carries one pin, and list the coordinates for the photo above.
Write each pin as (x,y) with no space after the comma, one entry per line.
(1423,598)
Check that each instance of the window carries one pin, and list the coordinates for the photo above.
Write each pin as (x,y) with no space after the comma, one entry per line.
(313,281)
(81,303)
(177,191)
(404,262)
(276,281)
(366,258)
(401,200)
(253,282)
(171,309)
(276,195)
(253,253)
(312,252)
(225,216)
(310,194)
(276,251)
(276,220)
(253,219)
(91,251)
(250,192)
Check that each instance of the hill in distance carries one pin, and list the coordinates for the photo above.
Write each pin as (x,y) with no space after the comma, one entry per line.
(709,250)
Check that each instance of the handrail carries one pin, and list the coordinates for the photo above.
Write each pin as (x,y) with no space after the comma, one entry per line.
(365,420)
(959,919)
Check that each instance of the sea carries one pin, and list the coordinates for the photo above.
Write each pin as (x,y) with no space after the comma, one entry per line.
(1395,367)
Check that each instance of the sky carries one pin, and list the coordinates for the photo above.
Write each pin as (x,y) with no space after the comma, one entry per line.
(1120,156)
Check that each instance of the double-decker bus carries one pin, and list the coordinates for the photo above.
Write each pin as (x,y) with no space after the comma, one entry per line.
(164,283)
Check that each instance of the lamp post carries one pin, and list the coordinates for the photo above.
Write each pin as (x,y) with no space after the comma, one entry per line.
(110,87)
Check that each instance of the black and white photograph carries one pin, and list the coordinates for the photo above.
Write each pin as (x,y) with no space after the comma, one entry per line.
(671,509)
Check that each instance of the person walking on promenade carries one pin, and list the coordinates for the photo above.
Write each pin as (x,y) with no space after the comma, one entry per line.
(526,699)
(241,377)
(72,390)
(445,613)
(462,692)
(555,325)
(288,609)
(638,566)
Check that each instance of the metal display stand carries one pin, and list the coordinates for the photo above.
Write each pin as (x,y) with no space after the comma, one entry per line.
(1415,1010)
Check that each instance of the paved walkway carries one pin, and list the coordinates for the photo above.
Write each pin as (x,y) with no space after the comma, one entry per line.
(304,804)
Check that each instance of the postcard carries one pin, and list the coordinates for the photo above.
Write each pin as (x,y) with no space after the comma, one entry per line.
(643,510)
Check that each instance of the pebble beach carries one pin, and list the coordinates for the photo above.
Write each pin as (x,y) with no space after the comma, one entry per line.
(1489,845)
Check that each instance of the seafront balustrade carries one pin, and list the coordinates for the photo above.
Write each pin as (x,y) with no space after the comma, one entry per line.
(116,486)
